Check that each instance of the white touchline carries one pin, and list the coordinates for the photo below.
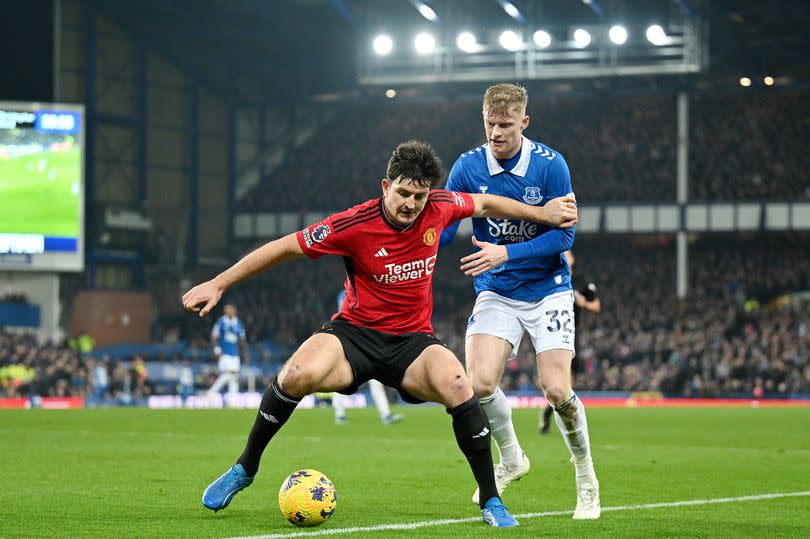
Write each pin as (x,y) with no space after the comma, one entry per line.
(443,522)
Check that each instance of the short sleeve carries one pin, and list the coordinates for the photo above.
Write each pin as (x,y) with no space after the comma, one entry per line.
(452,205)
(328,237)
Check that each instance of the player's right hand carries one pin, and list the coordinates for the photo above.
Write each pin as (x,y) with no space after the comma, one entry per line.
(207,294)
(561,212)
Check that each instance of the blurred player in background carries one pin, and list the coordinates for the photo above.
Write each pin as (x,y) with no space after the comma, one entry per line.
(584,298)
(230,344)
(376,389)
(522,285)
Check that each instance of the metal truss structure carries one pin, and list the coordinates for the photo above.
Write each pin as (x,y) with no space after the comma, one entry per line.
(684,51)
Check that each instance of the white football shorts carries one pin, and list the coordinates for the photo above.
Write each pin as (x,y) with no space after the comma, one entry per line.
(550,322)
(228,363)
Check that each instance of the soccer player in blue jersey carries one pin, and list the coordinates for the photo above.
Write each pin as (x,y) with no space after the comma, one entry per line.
(376,389)
(230,344)
(522,284)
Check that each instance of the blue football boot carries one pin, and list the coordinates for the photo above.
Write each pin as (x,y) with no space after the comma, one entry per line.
(220,493)
(497,515)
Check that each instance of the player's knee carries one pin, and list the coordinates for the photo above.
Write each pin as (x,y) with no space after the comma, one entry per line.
(295,381)
(556,392)
(484,387)
(455,390)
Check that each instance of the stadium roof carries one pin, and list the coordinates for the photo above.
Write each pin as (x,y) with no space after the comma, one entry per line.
(290,49)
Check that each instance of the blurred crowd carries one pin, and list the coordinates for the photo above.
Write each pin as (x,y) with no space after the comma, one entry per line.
(743,328)
(60,370)
(619,149)
(750,146)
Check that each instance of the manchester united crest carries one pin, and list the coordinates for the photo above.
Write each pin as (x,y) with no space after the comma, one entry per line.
(430,236)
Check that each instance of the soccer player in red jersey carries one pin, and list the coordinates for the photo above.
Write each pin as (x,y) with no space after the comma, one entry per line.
(383,329)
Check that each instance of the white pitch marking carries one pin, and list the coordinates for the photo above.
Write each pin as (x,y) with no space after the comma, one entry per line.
(426,523)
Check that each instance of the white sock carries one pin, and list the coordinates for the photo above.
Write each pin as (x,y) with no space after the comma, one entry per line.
(339,404)
(570,417)
(499,413)
(379,397)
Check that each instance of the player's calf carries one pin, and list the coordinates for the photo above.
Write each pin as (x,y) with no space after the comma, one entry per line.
(274,410)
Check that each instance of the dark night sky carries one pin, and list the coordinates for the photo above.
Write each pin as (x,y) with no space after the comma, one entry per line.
(26,39)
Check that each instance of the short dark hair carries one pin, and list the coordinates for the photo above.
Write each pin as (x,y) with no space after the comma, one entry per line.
(417,161)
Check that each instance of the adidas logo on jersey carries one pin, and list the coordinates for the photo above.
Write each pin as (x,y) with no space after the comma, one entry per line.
(381,252)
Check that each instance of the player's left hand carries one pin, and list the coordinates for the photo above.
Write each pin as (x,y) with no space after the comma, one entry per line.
(561,212)
(207,294)
(489,257)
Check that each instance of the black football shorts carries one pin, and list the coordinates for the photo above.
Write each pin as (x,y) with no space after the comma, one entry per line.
(382,356)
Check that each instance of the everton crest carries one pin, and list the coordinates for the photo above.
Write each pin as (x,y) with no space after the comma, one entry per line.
(532,195)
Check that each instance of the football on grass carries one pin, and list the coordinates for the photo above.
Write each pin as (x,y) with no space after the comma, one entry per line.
(307,498)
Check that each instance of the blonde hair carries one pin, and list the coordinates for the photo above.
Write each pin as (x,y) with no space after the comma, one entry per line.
(501,99)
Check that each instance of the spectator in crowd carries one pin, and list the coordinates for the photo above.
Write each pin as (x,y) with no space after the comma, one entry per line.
(738,329)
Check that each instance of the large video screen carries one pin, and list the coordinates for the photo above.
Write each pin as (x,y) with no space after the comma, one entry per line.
(41,186)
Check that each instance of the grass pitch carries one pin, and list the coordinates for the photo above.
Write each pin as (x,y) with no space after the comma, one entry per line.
(141,473)
(39,194)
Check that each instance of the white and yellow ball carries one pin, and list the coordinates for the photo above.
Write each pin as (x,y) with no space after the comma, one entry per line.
(307,498)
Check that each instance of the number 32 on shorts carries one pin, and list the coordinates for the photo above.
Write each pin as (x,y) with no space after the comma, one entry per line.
(560,320)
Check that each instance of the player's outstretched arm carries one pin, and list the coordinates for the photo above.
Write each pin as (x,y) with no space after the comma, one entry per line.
(559,212)
(489,256)
(265,257)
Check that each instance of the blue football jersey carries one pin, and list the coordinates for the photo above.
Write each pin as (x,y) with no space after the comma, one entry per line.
(228,333)
(535,176)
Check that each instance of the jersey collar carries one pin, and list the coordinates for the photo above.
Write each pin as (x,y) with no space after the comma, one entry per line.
(391,224)
(520,168)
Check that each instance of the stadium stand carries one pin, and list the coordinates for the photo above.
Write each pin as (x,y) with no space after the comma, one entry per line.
(619,149)
(345,160)
(750,146)
(741,328)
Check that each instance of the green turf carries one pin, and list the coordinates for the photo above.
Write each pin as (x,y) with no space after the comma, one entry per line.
(140,473)
(36,194)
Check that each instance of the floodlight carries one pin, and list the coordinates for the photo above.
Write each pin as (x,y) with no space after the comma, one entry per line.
(383,44)
(582,38)
(424,43)
(656,35)
(426,11)
(511,10)
(617,34)
(466,41)
(542,38)
(510,41)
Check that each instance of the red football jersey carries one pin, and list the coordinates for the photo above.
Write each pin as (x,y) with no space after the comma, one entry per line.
(389,269)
